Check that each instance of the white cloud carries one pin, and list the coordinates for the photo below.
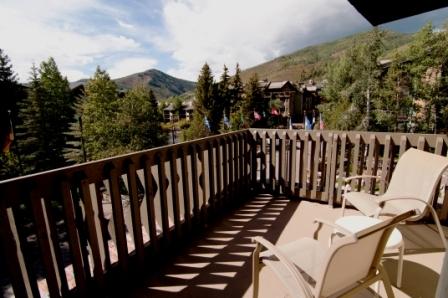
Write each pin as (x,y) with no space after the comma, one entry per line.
(33,31)
(129,66)
(250,31)
(125,25)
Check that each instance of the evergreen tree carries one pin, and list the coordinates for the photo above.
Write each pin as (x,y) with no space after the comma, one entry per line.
(208,110)
(139,120)
(57,110)
(11,93)
(225,93)
(354,85)
(394,102)
(428,68)
(31,114)
(99,118)
(254,104)
(74,151)
(45,116)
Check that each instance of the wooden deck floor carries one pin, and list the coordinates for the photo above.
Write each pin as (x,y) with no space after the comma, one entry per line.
(219,265)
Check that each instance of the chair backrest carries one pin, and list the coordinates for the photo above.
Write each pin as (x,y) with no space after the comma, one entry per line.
(353,258)
(416,175)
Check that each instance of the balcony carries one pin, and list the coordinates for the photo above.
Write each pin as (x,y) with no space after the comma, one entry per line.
(177,220)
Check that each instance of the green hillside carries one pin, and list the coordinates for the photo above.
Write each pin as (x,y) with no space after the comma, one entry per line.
(312,61)
(163,85)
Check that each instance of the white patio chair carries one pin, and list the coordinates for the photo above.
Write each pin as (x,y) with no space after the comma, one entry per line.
(309,268)
(412,187)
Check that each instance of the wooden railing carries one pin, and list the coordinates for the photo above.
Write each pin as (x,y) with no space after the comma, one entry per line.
(312,164)
(92,220)
(76,230)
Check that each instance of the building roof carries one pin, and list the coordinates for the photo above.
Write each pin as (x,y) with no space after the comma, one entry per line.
(383,11)
(277,85)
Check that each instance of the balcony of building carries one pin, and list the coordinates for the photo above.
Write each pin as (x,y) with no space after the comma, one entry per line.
(178,220)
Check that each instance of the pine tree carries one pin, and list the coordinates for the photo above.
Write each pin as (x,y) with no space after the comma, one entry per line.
(100,106)
(45,116)
(225,93)
(354,85)
(254,104)
(74,151)
(29,135)
(139,120)
(237,89)
(208,110)
(10,95)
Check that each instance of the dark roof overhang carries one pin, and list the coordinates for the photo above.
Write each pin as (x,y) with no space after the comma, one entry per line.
(383,11)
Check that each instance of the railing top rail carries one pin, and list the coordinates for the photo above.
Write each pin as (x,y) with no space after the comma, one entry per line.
(95,168)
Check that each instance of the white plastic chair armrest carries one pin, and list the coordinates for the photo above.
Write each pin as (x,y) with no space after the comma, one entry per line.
(286,262)
(338,228)
(348,179)
(431,209)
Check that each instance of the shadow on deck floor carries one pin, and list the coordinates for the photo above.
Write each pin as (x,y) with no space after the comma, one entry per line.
(219,265)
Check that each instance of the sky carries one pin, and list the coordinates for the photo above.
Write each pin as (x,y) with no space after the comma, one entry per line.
(174,36)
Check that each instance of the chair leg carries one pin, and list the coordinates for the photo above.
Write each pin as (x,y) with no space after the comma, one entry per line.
(439,227)
(400,264)
(256,270)
(386,282)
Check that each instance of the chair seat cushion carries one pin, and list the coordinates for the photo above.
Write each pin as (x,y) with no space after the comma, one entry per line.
(306,254)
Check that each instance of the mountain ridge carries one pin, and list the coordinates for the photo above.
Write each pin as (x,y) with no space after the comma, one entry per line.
(311,62)
(162,84)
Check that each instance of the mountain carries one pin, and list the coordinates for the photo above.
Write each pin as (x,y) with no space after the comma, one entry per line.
(311,62)
(162,84)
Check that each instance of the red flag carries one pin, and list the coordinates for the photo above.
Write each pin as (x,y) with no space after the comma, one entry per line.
(275,112)
(257,116)
(8,141)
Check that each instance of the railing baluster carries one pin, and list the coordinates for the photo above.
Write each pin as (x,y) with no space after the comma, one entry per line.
(332,172)
(225,170)
(163,186)
(186,189)
(342,167)
(263,159)
(45,243)
(293,164)
(174,178)
(403,144)
(73,239)
(135,212)
(387,162)
(21,281)
(150,196)
(356,169)
(372,163)
(210,181)
(273,162)
(119,223)
(317,165)
(326,168)
(304,164)
(282,163)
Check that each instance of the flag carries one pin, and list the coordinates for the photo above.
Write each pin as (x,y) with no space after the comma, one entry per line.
(206,123)
(257,116)
(8,141)
(9,137)
(274,111)
(321,122)
(308,124)
(226,121)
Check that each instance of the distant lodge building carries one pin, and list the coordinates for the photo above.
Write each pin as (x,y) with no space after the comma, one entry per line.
(185,111)
(296,100)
